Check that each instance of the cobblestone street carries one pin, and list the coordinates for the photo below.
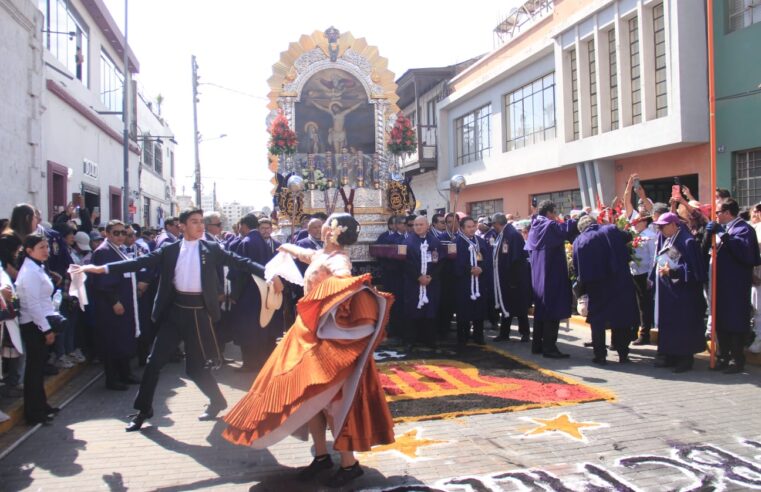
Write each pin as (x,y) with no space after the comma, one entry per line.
(662,432)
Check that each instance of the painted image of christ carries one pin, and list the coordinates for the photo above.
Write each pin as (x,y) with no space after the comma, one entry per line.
(337,134)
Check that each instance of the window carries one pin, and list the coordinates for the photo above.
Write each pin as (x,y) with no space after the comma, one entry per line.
(111,84)
(430,111)
(72,51)
(158,158)
(747,173)
(148,153)
(473,135)
(485,208)
(743,13)
(565,201)
(613,79)
(574,95)
(530,113)
(592,86)
(171,163)
(661,89)
(635,75)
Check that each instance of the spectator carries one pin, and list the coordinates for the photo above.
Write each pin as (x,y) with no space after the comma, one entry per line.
(23,223)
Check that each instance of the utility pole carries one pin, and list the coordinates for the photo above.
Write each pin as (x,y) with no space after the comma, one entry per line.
(197,183)
(125,117)
(214,197)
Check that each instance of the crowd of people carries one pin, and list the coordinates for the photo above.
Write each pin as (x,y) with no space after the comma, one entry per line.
(627,268)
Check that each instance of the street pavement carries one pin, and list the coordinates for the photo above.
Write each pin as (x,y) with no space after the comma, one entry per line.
(695,431)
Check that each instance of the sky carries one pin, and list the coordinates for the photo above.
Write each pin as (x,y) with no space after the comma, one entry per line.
(236,42)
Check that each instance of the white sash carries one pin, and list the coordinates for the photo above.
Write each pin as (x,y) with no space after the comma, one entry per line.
(498,302)
(473,249)
(423,290)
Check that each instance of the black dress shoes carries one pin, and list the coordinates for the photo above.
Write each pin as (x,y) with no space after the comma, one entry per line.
(345,475)
(116,386)
(734,369)
(212,411)
(600,361)
(42,420)
(138,420)
(318,464)
(52,410)
(556,355)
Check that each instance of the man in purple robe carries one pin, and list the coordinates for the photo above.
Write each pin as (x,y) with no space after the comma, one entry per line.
(512,279)
(601,260)
(678,277)
(471,285)
(737,254)
(116,310)
(171,232)
(549,277)
(422,285)
(391,274)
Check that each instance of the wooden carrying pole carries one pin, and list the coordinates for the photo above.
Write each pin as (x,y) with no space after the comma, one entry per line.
(712,140)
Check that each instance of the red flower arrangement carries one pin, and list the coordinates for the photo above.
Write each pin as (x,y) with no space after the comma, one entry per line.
(282,138)
(402,139)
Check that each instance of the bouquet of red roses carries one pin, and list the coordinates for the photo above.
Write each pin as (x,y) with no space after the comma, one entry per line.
(282,138)
(402,139)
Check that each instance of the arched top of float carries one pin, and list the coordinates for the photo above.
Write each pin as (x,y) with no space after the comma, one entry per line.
(330,49)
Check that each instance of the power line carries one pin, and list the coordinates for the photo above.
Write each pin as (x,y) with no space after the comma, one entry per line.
(235,91)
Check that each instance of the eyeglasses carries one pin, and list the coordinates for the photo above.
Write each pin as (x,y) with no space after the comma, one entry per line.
(118,233)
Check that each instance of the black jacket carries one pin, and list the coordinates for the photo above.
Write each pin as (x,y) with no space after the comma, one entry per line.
(165,260)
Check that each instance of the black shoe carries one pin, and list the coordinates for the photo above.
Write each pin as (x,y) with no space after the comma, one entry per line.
(624,359)
(682,367)
(664,362)
(525,338)
(117,386)
(212,411)
(734,369)
(642,340)
(345,475)
(318,464)
(600,361)
(556,355)
(52,410)
(138,420)
(588,344)
(502,337)
(44,420)
(131,380)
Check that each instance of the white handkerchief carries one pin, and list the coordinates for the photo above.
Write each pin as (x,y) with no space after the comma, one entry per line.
(283,266)
(77,287)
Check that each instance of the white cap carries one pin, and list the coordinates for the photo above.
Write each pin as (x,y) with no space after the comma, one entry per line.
(83,240)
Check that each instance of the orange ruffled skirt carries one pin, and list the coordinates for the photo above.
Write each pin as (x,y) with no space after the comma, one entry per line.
(305,374)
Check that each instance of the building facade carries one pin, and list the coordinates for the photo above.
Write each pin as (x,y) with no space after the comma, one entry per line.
(20,113)
(584,94)
(737,72)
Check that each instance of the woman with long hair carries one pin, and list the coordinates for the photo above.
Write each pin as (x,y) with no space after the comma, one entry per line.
(34,289)
(322,373)
(23,222)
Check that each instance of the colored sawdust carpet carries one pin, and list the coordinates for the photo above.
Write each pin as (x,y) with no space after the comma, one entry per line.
(477,380)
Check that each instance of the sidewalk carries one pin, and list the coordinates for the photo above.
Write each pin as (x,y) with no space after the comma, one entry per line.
(662,432)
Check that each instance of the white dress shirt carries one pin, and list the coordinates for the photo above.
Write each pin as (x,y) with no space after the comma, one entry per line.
(35,290)
(187,272)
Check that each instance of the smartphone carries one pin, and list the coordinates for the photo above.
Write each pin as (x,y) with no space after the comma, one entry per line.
(636,184)
(677,181)
(533,202)
(676,191)
(96,209)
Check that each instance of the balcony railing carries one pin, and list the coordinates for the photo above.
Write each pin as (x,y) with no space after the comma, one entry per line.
(426,148)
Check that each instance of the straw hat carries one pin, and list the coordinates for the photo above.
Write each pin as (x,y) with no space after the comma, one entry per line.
(271,301)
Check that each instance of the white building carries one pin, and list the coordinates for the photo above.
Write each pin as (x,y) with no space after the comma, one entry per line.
(157,169)
(21,174)
(183,202)
(232,212)
(580,95)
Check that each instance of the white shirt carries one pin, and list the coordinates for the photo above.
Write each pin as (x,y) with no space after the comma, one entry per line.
(187,272)
(35,290)
(645,253)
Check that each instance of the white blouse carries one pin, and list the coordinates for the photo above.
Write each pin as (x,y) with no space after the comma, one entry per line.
(35,290)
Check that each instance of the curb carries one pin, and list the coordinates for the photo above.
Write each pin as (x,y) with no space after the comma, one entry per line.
(52,385)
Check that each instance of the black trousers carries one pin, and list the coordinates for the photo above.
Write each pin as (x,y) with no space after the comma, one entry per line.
(463,331)
(545,337)
(732,346)
(524,327)
(421,331)
(645,303)
(620,338)
(191,326)
(35,400)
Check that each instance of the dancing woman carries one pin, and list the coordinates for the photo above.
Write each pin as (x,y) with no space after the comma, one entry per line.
(322,373)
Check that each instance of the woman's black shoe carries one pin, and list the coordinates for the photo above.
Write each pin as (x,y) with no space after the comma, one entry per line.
(318,464)
(138,420)
(52,410)
(345,475)
(44,420)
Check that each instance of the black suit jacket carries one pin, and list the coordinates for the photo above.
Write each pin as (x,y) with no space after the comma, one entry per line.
(165,261)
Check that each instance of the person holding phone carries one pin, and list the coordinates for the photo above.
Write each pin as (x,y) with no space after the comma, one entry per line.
(35,291)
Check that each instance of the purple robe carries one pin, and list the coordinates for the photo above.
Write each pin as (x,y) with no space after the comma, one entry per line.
(468,309)
(513,271)
(412,271)
(680,305)
(601,260)
(737,255)
(549,268)
(115,334)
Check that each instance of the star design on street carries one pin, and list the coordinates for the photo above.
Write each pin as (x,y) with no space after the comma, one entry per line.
(562,423)
(407,444)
